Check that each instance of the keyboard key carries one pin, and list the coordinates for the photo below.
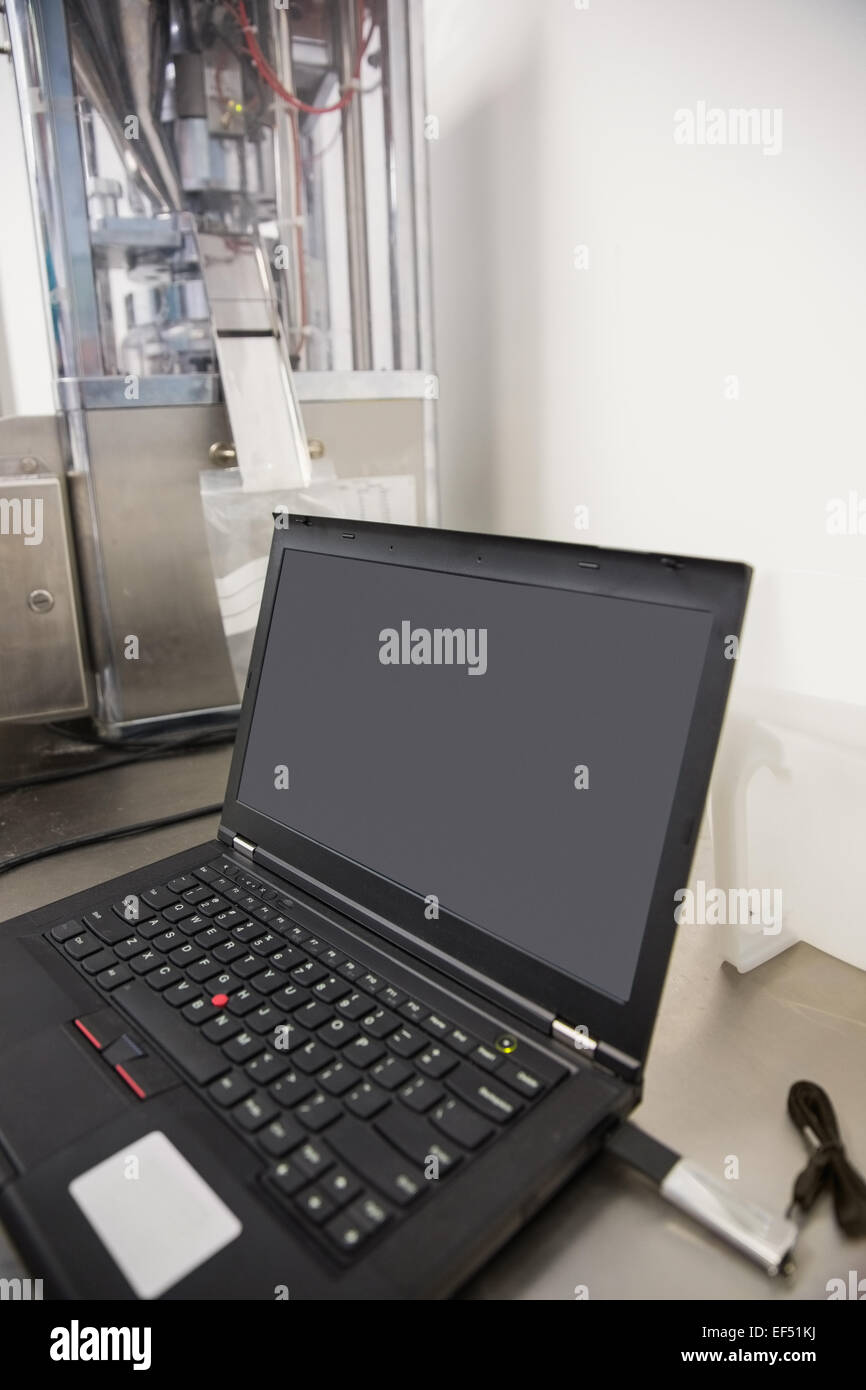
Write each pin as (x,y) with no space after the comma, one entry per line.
(157,897)
(151,927)
(338,1032)
(198,1058)
(198,1011)
(413,1010)
(309,973)
(521,1080)
(332,958)
(330,988)
(266,944)
(129,947)
(290,998)
(312,1056)
(370,1212)
(460,1041)
(145,961)
(346,1232)
(106,926)
(175,912)
(65,930)
(379,1023)
(316,1205)
(100,960)
(486,1057)
(164,976)
(285,958)
(286,1178)
(407,1041)
(243,1046)
(243,1001)
(420,1093)
(182,993)
(355,1004)
(371,983)
(350,970)
(436,1061)
(461,1124)
(366,1100)
(264,1019)
(209,907)
(313,1014)
(221,1028)
(185,955)
(181,884)
(227,952)
(226,982)
(230,918)
(204,969)
(230,1089)
(196,895)
(391,1072)
(266,981)
(340,1185)
(254,1112)
(417,1139)
(338,1078)
(248,966)
(391,997)
(265,1068)
(280,1136)
(115,975)
(484,1093)
(318,1111)
(210,938)
(84,944)
(292,1088)
(247,932)
(313,1158)
(363,1051)
(368,1154)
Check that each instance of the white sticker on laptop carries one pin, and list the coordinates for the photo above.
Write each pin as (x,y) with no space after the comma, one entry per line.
(153,1213)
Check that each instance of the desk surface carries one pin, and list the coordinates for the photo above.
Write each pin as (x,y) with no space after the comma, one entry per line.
(725,1051)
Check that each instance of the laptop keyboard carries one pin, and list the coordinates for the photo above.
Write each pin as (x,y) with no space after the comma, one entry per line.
(355,1095)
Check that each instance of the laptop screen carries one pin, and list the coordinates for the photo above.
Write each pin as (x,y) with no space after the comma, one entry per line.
(508,752)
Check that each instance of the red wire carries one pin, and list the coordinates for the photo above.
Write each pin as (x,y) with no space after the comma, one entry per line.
(295,105)
(270,77)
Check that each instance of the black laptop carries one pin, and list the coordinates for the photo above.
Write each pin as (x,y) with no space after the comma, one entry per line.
(350,1047)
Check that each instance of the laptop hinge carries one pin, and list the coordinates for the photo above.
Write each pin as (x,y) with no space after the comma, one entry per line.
(243,846)
(610,1057)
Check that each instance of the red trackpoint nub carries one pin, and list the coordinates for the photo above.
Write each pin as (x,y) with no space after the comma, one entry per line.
(219,1001)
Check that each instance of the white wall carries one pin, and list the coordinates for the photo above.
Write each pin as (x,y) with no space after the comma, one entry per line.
(606,386)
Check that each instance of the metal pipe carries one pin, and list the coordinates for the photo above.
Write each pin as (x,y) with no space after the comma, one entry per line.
(347,42)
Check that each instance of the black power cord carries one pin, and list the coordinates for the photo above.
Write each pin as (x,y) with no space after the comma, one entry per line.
(100,836)
(812,1112)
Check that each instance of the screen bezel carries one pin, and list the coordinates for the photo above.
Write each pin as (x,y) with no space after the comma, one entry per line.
(719,588)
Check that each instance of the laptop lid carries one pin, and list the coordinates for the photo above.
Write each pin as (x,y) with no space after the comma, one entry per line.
(503,746)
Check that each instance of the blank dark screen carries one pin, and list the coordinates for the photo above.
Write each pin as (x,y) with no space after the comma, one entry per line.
(462,786)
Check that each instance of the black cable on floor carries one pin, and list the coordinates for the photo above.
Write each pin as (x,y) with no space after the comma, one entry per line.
(145,753)
(101,836)
(812,1112)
